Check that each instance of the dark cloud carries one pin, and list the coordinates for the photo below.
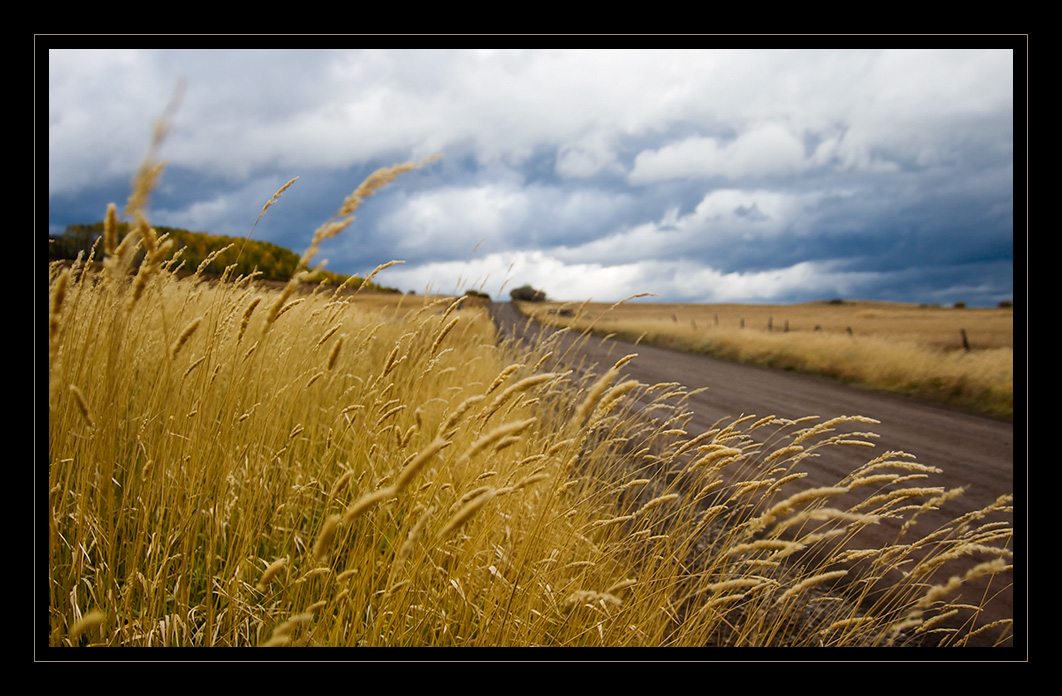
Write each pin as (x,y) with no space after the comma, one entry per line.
(700,175)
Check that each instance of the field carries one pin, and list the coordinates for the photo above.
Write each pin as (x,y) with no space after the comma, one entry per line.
(234,466)
(958,356)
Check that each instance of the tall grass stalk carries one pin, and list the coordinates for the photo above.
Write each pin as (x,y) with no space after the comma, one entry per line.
(903,349)
(224,471)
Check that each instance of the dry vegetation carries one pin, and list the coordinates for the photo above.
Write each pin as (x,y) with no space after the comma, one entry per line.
(907,349)
(230,466)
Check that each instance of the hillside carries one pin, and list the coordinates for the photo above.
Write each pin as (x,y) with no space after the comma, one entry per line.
(214,252)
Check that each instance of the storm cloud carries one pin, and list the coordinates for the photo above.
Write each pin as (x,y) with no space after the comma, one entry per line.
(754,175)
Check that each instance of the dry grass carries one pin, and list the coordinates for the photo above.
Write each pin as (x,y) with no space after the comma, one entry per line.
(906,349)
(222,472)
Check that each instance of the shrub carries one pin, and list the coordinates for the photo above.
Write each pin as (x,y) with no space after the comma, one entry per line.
(527,293)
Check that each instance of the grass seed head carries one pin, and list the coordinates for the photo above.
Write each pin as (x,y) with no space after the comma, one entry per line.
(185,335)
(92,620)
(413,468)
(324,538)
(270,573)
(82,405)
(462,516)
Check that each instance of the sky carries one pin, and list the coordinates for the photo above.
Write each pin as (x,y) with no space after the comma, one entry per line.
(755,175)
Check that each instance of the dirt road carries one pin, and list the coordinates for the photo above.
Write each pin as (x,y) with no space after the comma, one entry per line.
(974,452)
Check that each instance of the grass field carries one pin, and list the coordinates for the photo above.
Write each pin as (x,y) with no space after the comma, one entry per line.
(958,356)
(236,466)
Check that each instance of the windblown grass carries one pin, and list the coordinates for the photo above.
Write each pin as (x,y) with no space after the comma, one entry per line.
(232,466)
(904,349)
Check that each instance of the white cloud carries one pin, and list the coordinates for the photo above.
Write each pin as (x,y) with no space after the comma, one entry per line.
(574,153)
(682,280)
(722,220)
(746,213)
(202,215)
(100,109)
(453,220)
(627,245)
(498,273)
(245,110)
(587,157)
(505,214)
(694,282)
(769,149)
(230,213)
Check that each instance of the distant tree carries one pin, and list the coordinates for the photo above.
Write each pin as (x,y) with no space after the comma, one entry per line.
(527,293)
(78,239)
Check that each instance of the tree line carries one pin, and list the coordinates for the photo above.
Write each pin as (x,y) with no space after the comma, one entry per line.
(268,260)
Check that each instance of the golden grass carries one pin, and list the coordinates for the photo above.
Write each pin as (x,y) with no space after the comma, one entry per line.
(233,466)
(906,349)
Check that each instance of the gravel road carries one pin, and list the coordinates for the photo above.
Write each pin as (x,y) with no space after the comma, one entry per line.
(974,452)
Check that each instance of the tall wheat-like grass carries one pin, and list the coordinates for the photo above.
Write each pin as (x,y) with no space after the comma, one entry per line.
(332,472)
(904,349)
